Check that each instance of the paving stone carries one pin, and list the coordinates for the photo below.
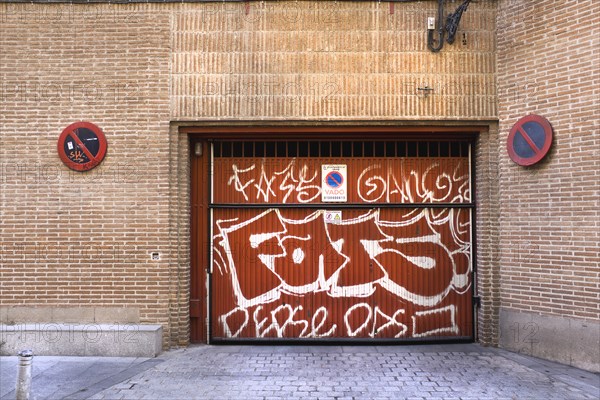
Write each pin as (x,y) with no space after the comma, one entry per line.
(336,372)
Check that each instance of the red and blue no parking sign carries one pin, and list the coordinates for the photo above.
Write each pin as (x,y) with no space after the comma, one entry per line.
(334,179)
(529,140)
(333,183)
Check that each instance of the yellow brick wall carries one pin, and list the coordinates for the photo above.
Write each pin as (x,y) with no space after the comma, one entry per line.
(83,240)
(73,239)
(549,213)
(549,64)
(329,60)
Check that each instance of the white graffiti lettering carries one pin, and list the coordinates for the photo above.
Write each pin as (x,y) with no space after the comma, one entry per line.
(367,321)
(235,179)
(445,314)
(295,183)
(379,182)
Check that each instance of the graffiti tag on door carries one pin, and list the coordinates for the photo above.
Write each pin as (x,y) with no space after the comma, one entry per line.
(295,270)
(294,180)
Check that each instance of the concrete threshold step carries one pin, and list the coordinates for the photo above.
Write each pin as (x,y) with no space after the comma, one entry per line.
(66,339)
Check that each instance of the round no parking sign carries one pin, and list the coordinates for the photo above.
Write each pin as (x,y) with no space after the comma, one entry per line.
(529,140)
(82,146)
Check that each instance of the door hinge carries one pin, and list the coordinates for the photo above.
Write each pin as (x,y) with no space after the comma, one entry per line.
(477,301)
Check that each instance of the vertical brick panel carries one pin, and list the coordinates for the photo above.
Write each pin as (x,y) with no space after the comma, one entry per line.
(487,217)
(549,64)
(73,239)
(329,60)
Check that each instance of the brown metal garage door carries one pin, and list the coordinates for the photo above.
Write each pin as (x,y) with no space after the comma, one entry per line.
(378,249)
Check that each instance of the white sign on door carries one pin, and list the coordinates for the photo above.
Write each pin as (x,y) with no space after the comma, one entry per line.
(333,217)
(333,183)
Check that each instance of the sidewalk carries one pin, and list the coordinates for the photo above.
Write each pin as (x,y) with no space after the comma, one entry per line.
(324,372)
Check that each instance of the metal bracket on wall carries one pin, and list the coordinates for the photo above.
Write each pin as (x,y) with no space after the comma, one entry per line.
(477,301)
(450,27)
(425,90)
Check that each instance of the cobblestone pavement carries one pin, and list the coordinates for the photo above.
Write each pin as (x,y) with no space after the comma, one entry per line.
(343,372)
(369,372)
(71,377)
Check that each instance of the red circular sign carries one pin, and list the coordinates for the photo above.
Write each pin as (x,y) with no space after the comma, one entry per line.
(529,140)
(334,179)
(82,146)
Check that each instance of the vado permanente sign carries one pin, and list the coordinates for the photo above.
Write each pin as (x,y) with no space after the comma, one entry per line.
(333,183)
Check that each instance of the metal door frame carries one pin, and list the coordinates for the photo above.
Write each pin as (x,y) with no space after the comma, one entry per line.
(377,132)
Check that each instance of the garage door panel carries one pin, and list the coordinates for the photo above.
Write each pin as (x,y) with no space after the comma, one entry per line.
(394,261)
(317,317)
(370,180)
(379,273)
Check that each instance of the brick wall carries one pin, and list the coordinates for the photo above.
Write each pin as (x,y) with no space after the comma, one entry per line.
(486,229)
(81,243)
(549,64)
(82,240)
(329,60)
